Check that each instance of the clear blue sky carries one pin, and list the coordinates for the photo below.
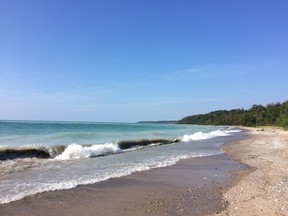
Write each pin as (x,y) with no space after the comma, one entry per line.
(130,60)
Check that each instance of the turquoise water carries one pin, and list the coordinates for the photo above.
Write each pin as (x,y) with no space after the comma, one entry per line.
(25,133)
(44,156)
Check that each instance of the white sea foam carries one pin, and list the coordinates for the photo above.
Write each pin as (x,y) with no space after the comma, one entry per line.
(75,151)
(24,189)
(202,136)
(234,131)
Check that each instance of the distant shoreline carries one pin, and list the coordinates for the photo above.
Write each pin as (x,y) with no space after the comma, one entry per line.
(158,122)
(258,115)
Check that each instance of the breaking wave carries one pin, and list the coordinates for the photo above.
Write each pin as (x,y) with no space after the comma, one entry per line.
(77,151)
(202,136)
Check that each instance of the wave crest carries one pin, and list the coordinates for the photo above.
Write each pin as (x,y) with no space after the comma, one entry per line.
(75,151)
(202,136)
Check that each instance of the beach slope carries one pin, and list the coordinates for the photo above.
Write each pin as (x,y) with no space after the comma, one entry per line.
(264,191)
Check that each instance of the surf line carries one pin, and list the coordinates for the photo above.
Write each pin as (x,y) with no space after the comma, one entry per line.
(94,149)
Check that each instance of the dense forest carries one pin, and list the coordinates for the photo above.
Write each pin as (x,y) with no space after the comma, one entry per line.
(274,114)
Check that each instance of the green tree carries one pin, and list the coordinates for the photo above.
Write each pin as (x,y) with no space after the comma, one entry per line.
(273,114)
(282,120)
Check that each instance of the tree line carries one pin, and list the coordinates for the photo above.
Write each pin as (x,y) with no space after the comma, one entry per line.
(274,114)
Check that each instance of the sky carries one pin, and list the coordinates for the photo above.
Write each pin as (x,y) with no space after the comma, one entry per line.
(132,60)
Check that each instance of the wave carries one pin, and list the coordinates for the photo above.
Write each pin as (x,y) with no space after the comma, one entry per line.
(77,151)
(43,152)
(202,136)
(10,154)
(134,143)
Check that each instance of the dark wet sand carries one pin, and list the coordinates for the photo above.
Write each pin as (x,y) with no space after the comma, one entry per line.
(191,187)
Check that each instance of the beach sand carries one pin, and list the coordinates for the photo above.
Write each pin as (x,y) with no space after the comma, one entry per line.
(264,190)
(215,185)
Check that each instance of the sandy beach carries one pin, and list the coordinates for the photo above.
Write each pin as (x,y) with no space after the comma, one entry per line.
(191,187)
(216,185)
(263,190)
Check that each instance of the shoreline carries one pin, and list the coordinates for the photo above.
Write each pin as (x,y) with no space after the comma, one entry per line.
(263,189)
(192,186)
(213,185)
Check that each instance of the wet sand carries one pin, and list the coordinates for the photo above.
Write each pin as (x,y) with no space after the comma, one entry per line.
(191,187)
